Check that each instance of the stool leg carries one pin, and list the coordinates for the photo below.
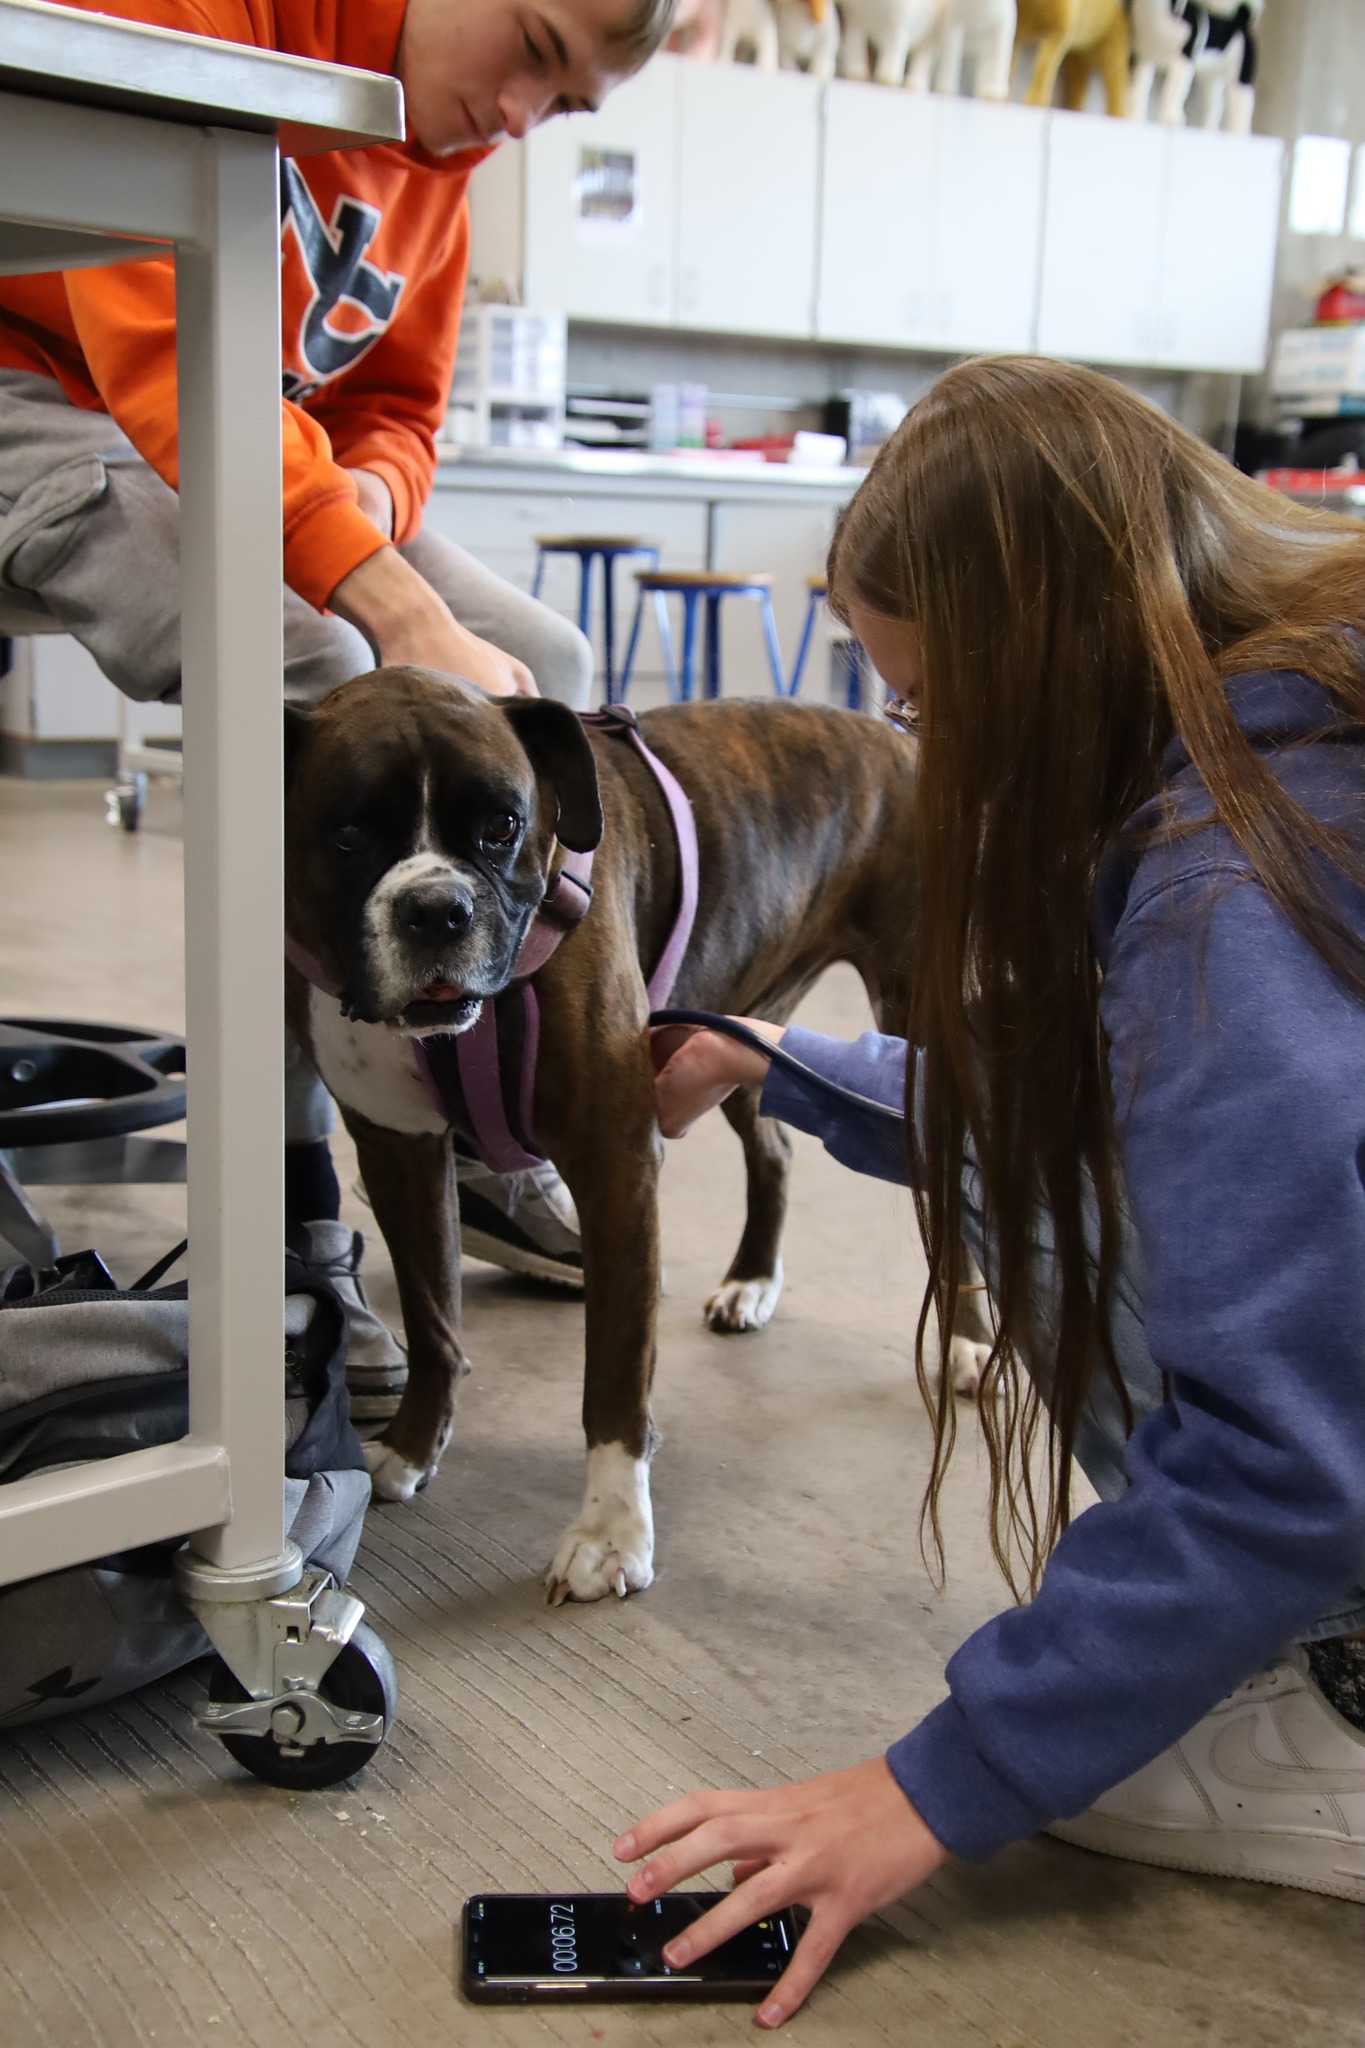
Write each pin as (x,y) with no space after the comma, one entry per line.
(609,623)
(631,645)
(689,654)
(584,589)
(712,645)
(803,647)
(854,682)
(539,576)
(774,651)
(666,644)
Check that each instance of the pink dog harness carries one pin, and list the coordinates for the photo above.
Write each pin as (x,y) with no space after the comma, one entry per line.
(483,1080)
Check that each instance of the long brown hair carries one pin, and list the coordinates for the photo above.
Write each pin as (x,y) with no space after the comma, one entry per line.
(1081,576)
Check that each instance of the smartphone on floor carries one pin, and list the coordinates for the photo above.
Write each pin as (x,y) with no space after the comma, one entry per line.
(520,1946)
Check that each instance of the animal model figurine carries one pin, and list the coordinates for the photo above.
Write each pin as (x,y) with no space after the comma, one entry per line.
(1224,57)
(808,36)
(893,42)
(982,30)
(749,35)
(1075,38)
(1208,48)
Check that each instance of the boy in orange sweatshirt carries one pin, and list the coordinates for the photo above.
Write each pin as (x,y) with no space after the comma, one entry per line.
(374,250)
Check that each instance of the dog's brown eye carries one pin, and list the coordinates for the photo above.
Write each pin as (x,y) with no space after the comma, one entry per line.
(347,839)
(502,830)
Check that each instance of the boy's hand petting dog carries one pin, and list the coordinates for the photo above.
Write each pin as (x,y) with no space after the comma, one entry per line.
(842,1844)
(694,1069)
(408,624)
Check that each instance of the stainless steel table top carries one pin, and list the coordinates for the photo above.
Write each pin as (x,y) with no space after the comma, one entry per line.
(99,60)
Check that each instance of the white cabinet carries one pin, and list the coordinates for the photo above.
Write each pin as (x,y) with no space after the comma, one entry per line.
(1158,245)
(749,160)
(930,220)
(1104,218)
(1218,263)
(877,216)
(600,200)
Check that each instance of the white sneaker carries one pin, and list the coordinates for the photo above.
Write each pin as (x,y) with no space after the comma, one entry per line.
(376,1368)
(524,1221)
(1270,1785)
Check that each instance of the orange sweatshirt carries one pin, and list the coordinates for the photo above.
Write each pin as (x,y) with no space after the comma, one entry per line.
(374,245)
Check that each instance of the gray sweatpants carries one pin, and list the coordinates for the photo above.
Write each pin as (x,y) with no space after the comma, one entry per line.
(90,546)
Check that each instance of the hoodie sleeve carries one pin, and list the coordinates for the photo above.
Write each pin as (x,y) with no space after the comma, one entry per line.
(872,1066)
(125,321)
(1237,1061)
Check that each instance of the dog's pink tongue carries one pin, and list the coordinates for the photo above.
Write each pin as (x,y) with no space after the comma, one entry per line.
(442,992)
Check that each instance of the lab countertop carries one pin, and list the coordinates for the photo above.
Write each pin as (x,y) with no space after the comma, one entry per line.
(64,53)
(694,474)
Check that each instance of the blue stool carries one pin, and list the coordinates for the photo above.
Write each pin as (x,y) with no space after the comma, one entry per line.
(587,546)
(692,585)
(817,591)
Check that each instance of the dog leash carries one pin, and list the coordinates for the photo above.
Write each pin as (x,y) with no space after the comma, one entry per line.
(730,1027)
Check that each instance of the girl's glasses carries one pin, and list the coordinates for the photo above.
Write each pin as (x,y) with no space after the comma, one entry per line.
(904,715)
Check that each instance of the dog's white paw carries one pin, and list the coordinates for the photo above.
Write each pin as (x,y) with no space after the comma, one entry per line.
(966,1363)
(744,1304)
(391,1476)
(609,1547)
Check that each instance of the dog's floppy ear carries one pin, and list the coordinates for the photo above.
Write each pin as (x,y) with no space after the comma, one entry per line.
(296,724)
(554,739)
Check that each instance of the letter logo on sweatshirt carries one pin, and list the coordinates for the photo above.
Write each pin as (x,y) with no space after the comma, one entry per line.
(341,277)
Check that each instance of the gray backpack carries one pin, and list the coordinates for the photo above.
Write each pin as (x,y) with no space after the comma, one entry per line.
(88,1370)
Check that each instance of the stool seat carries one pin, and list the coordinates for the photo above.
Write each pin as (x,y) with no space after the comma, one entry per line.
(570,543)
(819,585)
(703,579)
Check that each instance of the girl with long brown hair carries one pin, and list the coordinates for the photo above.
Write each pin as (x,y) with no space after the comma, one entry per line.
(1136,1065)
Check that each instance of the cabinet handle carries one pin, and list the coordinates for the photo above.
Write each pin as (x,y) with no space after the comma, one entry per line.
(658,284)
(691,288)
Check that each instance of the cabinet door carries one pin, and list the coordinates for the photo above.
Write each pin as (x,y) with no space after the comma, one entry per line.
(988,225)
(878,205)
(1103,227)
(1222,222)
(748,160)
(601,205)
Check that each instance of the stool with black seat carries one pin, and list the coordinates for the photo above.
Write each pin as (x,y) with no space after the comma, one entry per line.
(817,594)
(72,1099)
(588,547)
(693,586)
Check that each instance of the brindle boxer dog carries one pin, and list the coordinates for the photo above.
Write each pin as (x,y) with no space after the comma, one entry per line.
(422,829)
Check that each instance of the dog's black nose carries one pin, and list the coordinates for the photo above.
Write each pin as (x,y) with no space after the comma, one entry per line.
(436,909)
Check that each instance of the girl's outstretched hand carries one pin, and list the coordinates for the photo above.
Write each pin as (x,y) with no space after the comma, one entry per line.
(842,1844)
(694,1069)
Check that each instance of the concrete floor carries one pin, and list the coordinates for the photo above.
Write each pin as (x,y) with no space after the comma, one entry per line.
(151,1893)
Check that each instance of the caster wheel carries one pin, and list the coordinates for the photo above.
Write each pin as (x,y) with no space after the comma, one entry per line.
(361,1679)
(125,804)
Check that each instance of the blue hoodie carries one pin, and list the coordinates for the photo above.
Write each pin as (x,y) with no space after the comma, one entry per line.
(1238,1070)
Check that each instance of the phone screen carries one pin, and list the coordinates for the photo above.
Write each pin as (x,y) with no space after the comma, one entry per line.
(547,1945)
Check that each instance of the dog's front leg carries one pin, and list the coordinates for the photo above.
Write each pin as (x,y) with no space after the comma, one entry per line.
(610,1154)
(410,1181)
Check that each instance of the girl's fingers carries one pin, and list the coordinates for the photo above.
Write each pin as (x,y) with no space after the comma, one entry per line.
(666,1824)
(814,1953)
(744,1870)
(732,1913)
(667,1039)
(716,1841)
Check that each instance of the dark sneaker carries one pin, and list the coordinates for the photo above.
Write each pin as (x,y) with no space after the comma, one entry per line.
(524,1221)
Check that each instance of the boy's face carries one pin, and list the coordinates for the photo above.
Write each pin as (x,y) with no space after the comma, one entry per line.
(478,71)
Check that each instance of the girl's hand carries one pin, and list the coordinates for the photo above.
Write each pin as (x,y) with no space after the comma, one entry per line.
(694,1069)
(842,1844)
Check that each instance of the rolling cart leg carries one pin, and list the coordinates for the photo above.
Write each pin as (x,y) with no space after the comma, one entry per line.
(306,1695)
